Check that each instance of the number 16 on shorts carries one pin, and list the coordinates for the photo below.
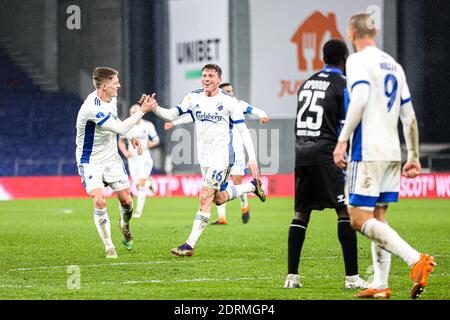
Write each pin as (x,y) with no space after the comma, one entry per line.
(215,178)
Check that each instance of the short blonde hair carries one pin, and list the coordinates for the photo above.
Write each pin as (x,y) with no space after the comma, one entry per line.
(363,25)
(102,74)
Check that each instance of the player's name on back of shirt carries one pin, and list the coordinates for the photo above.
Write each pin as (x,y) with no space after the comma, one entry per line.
(316,85)
(308,133)
(388,66)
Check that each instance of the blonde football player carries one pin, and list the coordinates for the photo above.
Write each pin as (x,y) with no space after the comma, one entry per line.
(98,160)
(379,96)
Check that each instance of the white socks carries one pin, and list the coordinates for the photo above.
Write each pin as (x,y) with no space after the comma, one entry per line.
(103,225)
(125,214)
(222,210)
(239,190)
(381,260)
(386,238)
(200,222)
(142,195)
(244,201)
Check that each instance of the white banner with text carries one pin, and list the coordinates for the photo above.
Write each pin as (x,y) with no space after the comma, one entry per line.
(286,45)
(198,36)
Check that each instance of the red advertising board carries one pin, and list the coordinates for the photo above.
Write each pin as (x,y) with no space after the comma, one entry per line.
(280,185)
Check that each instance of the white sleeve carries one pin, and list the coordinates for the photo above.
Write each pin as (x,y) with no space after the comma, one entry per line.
(358,82)
(246,139)
(259,112)
(409,124)
(357,72)
(358,100)
(405,95)
(121,127)
(182,120)
(410,131)
(173,113)
(167,114)
(249,109)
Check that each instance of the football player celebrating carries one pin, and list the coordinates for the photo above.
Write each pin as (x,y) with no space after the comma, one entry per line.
(98,159)
(238,168)
(215,114)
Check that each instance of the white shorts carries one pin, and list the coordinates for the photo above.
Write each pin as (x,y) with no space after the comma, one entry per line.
(112,174)
(373,182)
(216,178)
(140,168)
(238,168)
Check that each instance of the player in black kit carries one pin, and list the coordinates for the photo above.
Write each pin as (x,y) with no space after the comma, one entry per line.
(319,183)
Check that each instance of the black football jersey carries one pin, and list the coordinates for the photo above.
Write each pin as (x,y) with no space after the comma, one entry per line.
(320,115)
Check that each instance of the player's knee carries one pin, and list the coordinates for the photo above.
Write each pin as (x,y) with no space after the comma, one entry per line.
(99,202)
(204,199)
(126,204)
(302,216)
(206,196)
(342,212)
(355,223)
(142,183)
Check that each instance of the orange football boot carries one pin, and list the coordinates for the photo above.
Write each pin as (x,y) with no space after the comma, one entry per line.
(374,293)
(419,274)
(220,221)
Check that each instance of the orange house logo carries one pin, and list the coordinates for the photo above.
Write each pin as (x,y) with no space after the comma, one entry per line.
(309,36)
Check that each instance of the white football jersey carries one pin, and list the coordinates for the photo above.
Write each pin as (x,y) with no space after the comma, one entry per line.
(214,119)
(376,137)
(143,131)
(95,144)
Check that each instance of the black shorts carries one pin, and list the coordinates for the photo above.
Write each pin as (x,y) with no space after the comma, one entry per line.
(319,187)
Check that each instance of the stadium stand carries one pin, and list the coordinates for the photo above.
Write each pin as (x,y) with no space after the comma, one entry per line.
(37,130)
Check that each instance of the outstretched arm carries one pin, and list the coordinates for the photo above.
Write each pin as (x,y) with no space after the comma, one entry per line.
(122,127)
(167,114)
(163,113)
(262,115)
(178,121)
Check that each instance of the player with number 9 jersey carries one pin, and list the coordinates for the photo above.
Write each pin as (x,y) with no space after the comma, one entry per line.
(376,137)
(379,97)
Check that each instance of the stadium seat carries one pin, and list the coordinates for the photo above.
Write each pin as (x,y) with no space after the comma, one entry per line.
(37,134)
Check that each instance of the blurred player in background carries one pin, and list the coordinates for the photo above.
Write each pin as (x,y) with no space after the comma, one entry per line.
(215,114)
(238,168)
(140,166)
(98,160)
(319,183)
(379,96)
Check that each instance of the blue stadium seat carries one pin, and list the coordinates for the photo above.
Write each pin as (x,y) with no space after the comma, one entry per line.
(36,125)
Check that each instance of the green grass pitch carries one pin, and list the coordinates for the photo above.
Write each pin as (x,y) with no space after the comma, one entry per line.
(41,238)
